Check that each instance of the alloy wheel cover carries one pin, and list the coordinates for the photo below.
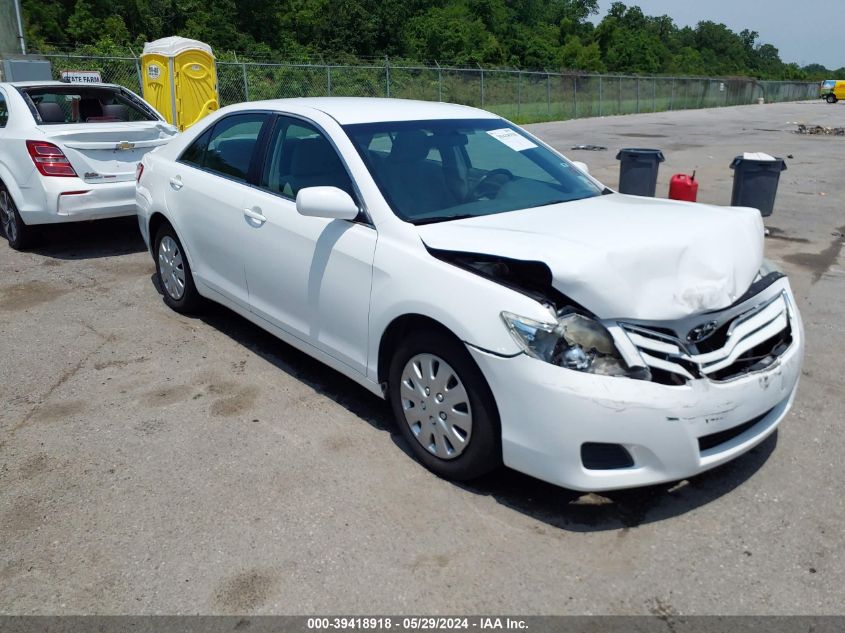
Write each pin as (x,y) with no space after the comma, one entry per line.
(436,406)
(171,268)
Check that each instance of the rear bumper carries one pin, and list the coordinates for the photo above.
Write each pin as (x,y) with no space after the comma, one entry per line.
(547,413)
(73,200)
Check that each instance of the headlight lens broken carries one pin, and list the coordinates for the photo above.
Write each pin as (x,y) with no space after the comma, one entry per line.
(575,342)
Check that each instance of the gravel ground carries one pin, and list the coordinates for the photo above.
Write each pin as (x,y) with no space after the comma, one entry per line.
(153,463)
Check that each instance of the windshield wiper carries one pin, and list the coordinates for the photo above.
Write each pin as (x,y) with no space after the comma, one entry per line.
(444,218)
(548,203)
(551,202)
(464,216)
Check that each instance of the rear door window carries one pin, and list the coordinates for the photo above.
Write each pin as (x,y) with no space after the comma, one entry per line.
(195,154)
(227,149)
(4,111)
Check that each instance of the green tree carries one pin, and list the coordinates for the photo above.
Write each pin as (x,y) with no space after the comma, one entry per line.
(589,58)
(451,34)
(95,20)
(816,72)
(533,34)
(569,54)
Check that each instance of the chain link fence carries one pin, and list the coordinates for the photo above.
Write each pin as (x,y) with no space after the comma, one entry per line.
(523,96)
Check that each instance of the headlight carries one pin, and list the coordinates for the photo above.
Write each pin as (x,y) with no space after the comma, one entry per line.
(575,342)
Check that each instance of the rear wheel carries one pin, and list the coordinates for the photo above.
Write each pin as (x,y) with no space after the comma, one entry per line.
(174,272)
(831,98)
(444,407)
(20,235)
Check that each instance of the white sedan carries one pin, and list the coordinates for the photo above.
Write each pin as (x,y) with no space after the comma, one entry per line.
(68,152)
(511,308)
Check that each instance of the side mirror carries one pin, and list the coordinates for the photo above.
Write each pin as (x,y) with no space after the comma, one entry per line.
(326,202)
(581,166)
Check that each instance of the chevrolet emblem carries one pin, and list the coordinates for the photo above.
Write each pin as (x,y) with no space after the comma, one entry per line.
(124,145)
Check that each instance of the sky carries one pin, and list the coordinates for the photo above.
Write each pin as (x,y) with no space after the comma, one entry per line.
(804,31)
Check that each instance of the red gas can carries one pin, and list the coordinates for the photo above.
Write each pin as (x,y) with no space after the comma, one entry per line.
(683,187)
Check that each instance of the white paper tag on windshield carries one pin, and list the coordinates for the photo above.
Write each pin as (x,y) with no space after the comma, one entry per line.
(512,139)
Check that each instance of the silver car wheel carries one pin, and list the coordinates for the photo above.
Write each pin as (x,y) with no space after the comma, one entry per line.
(7,216)
(436,406)
(171,268)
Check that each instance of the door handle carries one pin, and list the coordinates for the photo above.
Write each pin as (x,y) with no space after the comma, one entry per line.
(176,182)
(255,214)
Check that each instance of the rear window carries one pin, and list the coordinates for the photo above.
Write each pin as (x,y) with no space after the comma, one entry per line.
(59,105)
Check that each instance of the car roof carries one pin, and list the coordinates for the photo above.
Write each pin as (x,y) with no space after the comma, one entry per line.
(49,84)
(352,110)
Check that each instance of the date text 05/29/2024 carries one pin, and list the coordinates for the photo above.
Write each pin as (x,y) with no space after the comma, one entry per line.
(415,623)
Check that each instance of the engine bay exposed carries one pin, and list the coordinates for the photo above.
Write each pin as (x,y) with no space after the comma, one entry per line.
(532,278)
(671,351)
(577,342)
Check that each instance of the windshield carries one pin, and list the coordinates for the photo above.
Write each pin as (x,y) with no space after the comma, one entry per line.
(431,171)
(827,85)
(85,104)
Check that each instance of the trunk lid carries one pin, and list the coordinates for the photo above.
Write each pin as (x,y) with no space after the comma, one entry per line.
(108,152)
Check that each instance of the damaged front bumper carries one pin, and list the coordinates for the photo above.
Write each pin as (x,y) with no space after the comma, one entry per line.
(702,408)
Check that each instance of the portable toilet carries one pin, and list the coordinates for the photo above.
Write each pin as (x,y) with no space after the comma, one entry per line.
(180,79)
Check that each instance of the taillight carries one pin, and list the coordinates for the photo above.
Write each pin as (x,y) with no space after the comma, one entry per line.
(49,159)
(139,171)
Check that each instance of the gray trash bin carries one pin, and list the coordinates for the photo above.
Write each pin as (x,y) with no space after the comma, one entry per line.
(638,171)
(756,183)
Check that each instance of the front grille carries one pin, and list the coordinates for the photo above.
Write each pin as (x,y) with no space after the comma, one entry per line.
(706,442)
(748,342)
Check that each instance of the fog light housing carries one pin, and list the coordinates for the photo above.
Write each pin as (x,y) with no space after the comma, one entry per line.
(600,456)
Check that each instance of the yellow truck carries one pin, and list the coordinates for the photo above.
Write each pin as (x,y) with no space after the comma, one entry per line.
(832,90)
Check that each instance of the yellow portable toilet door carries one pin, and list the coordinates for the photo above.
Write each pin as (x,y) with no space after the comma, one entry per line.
(196,87)
(157,88)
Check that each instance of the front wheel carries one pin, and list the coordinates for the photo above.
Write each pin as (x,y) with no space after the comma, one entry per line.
(831,98)
(444,407)
(20,235)
(174,272)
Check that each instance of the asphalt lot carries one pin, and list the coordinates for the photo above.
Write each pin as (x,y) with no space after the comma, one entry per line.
(154,463)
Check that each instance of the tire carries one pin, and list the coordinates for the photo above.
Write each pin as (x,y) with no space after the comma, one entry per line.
(19,235)
(436,426)
(174,272)
(831,98)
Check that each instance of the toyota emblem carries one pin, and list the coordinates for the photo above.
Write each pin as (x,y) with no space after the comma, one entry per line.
(701,332)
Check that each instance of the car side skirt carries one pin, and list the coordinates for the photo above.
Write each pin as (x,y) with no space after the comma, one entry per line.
(316,353)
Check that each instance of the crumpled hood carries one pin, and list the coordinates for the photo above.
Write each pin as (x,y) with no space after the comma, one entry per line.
(624,256)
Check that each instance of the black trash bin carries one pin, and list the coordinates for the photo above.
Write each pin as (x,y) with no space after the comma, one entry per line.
(756,183)
(638,171)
